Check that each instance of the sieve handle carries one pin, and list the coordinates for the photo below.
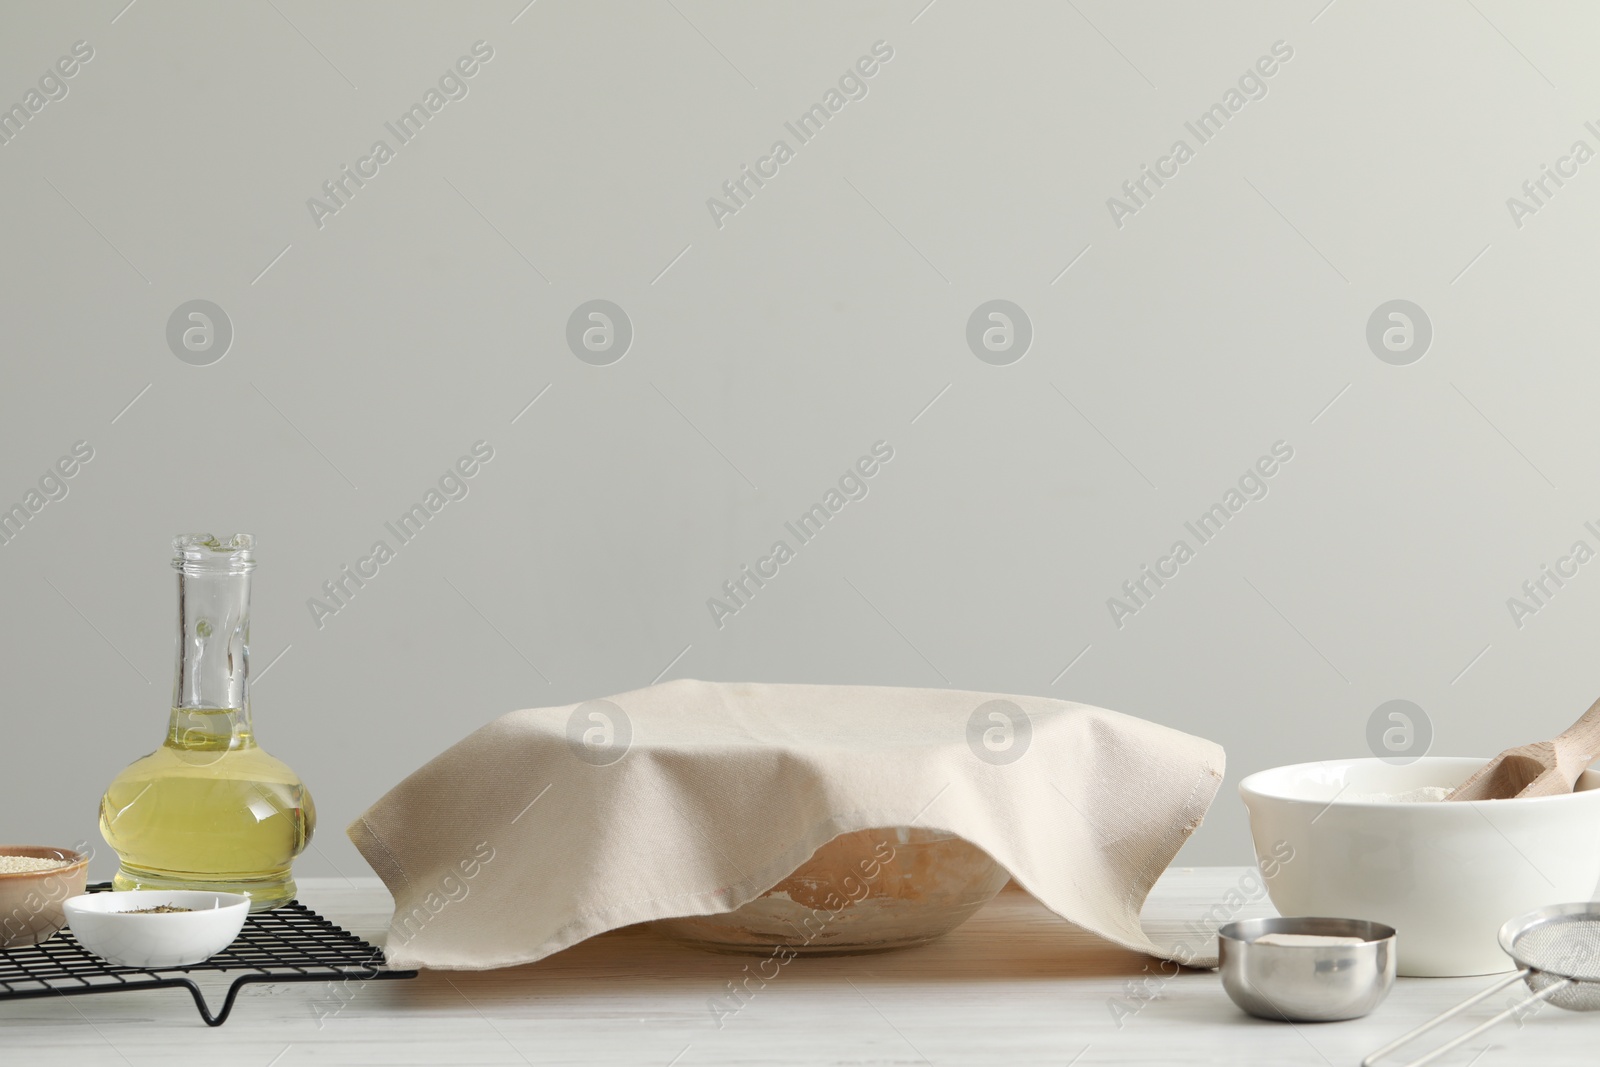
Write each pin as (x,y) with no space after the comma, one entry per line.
(1543,994)
(1412,1035)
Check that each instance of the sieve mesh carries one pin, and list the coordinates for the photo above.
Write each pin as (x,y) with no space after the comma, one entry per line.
(1565,946)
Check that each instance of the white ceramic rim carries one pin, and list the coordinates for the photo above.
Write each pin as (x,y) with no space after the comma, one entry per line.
(101,903)
(1250,786)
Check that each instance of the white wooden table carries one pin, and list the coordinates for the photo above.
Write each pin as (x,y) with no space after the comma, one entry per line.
(1014,986)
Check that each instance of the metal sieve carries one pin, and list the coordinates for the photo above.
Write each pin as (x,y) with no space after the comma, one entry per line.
(1558,951)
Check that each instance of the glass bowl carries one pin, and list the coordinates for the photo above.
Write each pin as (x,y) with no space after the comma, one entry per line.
(866,891)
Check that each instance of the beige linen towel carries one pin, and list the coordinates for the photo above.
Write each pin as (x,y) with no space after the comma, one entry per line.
(551,825)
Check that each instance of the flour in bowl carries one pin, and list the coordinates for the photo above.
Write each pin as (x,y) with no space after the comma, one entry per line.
(1421,794)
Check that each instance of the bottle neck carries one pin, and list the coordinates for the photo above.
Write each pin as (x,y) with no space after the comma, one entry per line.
(210,695)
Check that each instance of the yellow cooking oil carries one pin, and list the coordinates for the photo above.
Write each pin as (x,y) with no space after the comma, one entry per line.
(211,810)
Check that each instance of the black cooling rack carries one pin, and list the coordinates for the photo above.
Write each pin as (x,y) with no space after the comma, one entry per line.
(291,943)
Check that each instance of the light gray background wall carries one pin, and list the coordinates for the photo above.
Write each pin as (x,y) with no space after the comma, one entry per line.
(1168,355)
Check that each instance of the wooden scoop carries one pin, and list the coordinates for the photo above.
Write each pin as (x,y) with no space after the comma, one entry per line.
(1541,769)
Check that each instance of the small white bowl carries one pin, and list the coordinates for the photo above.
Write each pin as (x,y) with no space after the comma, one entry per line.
(1444,874)
(104,924)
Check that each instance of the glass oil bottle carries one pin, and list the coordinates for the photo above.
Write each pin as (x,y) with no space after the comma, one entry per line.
(210,809)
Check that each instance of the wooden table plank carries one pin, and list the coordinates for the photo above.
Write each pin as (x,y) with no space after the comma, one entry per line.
(1013,986)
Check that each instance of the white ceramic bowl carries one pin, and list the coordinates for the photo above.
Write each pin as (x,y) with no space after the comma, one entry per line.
(104,924)
(1444,875)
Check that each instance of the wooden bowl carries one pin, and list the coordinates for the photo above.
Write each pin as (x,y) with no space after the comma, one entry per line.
(31,901)
(866,891)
